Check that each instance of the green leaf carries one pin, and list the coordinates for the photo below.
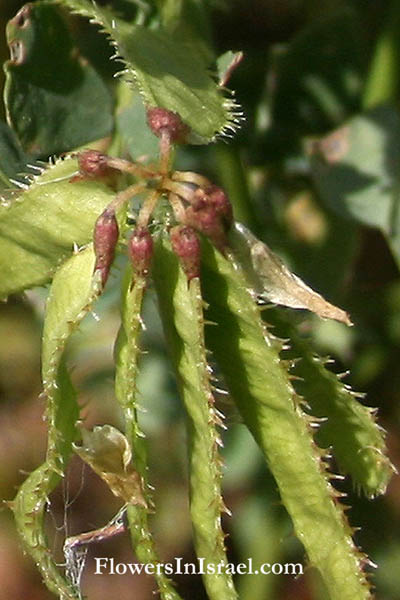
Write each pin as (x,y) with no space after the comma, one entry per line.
(40,226)
(131,130)
(257,378)
(188,20)
(168,72)
(226,64)
(71,295)
(355,169)
(55,100)
(181,309)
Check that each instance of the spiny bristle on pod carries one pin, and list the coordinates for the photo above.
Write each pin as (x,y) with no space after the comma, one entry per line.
(186,245)
(140,248)
(105,238)
(162,121)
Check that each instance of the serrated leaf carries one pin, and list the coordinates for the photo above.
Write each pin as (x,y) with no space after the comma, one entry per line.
(40,226)
(355,169)
(188,20)
(172,74)
(55,100)
(134,135)
(274,282)
(168,72)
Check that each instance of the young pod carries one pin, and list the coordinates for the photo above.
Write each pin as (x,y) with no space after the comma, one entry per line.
(140,248)
(186,245)
(105,239)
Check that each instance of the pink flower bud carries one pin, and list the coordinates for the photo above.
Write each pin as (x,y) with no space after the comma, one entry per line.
(105,239)
(93,164)
(216,197)
(186,245)
(162,120)
(140,249)
(210,213)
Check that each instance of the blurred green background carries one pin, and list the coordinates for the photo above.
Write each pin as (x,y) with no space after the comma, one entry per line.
(315,172)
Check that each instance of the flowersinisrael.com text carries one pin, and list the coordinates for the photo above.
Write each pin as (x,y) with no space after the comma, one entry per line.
(108,566)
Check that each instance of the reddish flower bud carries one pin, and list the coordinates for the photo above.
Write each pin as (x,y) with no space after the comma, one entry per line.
(204,218)
(211,213)
(140,249)
(215,197)
(186,245)
(93,164)
(105,239)
(162,120)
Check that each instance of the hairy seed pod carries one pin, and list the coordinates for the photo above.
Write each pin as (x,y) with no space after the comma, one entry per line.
(105,239)
(140,248)
(186,244)
(161,120)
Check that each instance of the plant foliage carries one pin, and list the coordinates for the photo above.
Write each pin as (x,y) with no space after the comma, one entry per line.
(65,220)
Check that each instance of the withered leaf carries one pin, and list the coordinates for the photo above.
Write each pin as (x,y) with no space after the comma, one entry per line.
(107,451)
(273,281)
